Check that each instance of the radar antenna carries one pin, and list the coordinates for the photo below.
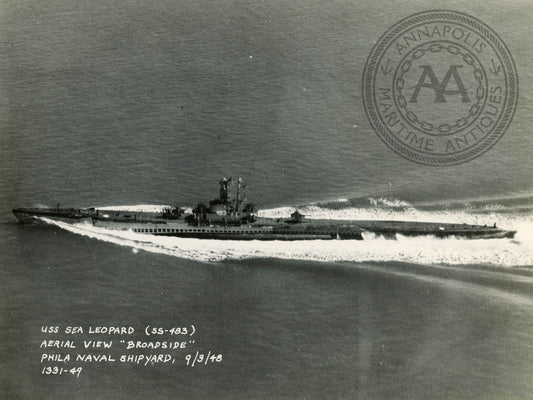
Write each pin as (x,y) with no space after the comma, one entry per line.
(240,197)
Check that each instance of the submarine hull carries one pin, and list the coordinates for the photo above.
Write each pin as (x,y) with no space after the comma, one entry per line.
(262,231)
(261,228)
(442,230)
(33,215)
(226,219)
(277,229)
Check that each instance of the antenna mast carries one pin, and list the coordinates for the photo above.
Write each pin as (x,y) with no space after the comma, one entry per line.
(237,197)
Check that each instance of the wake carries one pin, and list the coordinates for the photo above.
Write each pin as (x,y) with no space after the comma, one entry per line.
(421,250)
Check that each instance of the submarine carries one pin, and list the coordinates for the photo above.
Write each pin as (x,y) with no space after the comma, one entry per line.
(32,215)
(226,218)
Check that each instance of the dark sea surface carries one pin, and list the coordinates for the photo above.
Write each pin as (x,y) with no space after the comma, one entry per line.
(141,104)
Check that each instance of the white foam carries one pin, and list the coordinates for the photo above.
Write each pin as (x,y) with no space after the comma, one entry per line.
(423,250)
(137,208)
(385,201)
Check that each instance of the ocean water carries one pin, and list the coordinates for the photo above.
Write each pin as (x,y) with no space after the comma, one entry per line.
(137,105)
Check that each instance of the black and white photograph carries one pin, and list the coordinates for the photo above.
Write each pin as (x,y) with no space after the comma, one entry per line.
(266,199)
